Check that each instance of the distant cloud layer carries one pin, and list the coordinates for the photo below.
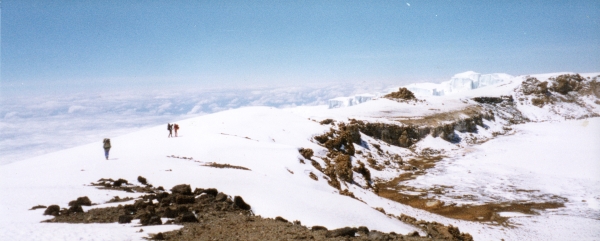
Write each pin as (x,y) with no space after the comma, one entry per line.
(37,125)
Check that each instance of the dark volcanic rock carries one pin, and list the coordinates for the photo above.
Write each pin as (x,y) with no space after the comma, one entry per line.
(239,202)
(170,213)
(37,207)
(279,218)
(142,180)
(317,228)
(158,236)
(188,217)
(53,210)
(211,191)
(221,197)
(120,182)
(82,201)
(148,219)
(125,218)
(342,232)
(76,209)
(182,189)
(181,199)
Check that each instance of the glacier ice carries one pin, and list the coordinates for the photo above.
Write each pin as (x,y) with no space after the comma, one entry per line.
(350,101)
(459,82)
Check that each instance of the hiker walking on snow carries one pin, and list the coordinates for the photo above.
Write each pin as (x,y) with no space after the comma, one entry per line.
(106,147)
(170,128)
(176,127)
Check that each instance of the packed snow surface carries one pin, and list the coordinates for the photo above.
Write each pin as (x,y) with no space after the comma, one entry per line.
(551,157)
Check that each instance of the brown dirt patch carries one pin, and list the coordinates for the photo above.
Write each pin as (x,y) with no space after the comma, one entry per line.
(481,213)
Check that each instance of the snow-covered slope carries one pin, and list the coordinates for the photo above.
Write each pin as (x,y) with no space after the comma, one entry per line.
(266,140)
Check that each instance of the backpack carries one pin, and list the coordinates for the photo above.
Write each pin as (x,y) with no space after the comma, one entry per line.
(106,143)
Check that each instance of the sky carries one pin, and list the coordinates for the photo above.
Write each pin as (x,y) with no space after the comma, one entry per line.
(75,72)
(63,46)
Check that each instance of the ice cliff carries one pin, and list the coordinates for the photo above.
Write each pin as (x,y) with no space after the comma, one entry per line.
(350,101)
(458,83)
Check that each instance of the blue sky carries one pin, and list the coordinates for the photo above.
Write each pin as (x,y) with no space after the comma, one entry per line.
(64,45)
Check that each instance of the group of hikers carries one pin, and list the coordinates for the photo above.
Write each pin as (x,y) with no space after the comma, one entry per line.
(170,127)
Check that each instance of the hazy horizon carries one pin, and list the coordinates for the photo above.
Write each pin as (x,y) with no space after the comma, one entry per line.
(65,46)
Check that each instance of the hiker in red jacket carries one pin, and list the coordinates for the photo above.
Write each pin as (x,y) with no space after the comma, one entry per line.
(176,128)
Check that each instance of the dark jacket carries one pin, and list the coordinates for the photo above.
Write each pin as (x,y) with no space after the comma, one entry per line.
(107,143)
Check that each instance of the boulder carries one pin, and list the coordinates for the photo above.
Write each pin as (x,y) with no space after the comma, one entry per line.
(158,236)
(120,182)
(142,180)
(318,228)
(211,191)
(125,218)
(239,202)
(188,217)
(182,199)
(53,210)
(170,213)
(148,219)
(342,232)
(182,189)
(82,201)
(76,209)
(221,197)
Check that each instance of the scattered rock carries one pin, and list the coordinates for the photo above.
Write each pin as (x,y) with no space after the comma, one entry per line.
(170,213)
(147,220)
(37,207)
(278,218)
(183,199)
(306,153)
(342,232)
(401,94)
(125,218)
(81,201)
(142,180)
(120,182)
(318,228)
(211,191)
(188,217)
(182,189)
(220,197)
(76,209)
(158,236)
(313,176)
(326,121)
(53,210)
(239,202)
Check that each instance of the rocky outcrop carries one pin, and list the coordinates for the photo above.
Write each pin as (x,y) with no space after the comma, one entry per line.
(403,94)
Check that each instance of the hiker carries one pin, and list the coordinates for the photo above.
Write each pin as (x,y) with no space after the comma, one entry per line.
(170,128)
(106,147)
(176,128)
